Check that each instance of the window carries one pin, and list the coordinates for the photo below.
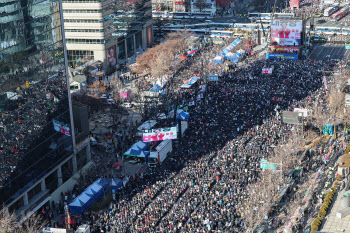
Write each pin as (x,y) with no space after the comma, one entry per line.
(79,57)
(82,11)
(85,30)
(85,41)
(81,21)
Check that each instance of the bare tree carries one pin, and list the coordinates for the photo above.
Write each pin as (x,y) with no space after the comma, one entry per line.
(33,224)
(7,220)
(201,4)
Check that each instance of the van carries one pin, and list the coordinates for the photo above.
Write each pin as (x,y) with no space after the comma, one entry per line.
(93,141)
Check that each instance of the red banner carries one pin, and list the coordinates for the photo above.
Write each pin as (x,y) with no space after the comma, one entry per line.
(283,48)
(179,3)
(294,3)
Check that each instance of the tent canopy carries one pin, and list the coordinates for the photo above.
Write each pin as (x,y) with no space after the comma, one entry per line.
(140,145)
(86,198)
(190,82)
(184,116)
(147,125)
(156,88)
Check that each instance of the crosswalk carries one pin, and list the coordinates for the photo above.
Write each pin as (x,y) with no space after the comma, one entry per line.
(330,50)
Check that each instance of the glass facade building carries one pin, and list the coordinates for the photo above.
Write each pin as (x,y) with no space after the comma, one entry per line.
(35,119)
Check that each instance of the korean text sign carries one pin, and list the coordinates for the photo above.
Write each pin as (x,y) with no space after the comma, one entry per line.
(161,134)
(286,32)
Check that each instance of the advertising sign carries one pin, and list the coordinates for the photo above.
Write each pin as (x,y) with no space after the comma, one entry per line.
(302,111)
(111,56)
(290,117)
(60,127)
(347,46)
(268,166)
(294,3)
(267,71)
(161,134)
(283,56)
(283,48)
(286,32)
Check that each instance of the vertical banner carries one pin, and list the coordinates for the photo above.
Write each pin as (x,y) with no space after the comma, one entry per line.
(111,56)
(149,35)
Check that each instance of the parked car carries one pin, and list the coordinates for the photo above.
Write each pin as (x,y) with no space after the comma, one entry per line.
(128,105)
(103,96)
(320,21)
(110,101)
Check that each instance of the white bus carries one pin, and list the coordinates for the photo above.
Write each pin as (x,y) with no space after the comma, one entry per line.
(330,11)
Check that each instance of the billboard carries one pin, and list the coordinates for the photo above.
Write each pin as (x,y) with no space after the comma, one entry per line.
(286,32)
(294,3)
(290,117)
(161,134)
(111,56)
(284,49)
(283,56)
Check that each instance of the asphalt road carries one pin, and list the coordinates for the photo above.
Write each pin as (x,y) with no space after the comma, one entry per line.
(335,51)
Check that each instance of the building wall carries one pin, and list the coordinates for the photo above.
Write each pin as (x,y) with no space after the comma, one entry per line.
(100,33)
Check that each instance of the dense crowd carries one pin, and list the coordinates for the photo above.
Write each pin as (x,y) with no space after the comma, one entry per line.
(26,119)
(233,125)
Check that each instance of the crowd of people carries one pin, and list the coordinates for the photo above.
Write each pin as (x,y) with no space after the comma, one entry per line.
(233,125)
(27,115)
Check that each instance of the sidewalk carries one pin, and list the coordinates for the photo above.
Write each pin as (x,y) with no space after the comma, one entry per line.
(334,224)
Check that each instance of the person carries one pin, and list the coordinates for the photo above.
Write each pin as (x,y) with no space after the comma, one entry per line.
(284,32)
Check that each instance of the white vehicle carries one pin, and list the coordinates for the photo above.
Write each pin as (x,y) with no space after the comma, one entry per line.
(128,105)
(93,141)
(158,156)
(83,229)
(110,101)
(103,96)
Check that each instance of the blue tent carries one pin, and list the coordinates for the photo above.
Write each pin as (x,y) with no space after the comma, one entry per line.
(116,184)
(184,116)
(86,198)
(140,145)
(156,88)
(133,152)
(191,81)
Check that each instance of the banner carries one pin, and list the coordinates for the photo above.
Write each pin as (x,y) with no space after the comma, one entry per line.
(60,127)
(267,71)
(213,77)
(294,3)
(160,134)
(283,48)
(286,32)
(111,56)
(149,35)
(283,56)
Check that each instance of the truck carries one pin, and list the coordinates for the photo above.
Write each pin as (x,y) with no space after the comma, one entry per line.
(160,153)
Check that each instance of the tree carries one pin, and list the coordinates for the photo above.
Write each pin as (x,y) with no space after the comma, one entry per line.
(33,224)
(201,4)
(7,220)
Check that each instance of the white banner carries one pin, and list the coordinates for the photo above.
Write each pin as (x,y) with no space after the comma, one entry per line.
(160,134)
(267,70)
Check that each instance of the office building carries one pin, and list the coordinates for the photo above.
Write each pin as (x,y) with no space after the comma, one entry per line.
(108,31)
(38,152)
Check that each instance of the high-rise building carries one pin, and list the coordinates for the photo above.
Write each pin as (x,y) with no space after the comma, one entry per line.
(38,153)
(106,30)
